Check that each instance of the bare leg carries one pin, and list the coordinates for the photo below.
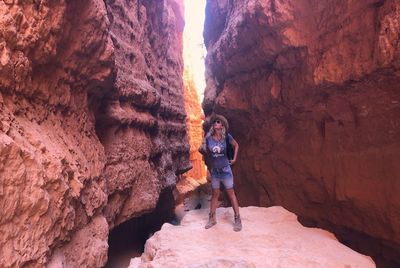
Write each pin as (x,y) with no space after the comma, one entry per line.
(213,207)
(234,202)
(214,200)
(237,226)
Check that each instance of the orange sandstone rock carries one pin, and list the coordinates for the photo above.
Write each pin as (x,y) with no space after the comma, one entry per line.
(311,92)
(197,175)
(92,123)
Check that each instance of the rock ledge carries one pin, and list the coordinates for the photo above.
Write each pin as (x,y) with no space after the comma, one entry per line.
(271,237)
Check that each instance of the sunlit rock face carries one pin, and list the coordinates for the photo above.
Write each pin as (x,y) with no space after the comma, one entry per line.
(197,175)
(92,123)
(271,237)
(142,122)
(311,89)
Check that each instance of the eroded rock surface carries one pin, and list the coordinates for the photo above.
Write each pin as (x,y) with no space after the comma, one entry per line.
(271,237)
(146,110)
(92,123)
(197,175)
(312,92)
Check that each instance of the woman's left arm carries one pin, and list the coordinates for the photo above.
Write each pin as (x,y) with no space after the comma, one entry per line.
(236,148)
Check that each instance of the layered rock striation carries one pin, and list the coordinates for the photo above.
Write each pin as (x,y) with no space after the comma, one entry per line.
(146,111)
(311,89)
(92,123)
(197,175)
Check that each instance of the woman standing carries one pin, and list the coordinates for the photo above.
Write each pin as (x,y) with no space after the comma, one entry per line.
(214,149)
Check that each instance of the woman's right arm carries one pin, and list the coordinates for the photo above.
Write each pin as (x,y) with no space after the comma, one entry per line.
(203,146)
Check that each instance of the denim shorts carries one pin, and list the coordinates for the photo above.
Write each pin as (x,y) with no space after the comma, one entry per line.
(223,175)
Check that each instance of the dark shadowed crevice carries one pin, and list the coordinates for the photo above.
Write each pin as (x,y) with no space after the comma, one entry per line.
(127,240)
(383,252)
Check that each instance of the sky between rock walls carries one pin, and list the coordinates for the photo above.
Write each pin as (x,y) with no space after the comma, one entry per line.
(193,49)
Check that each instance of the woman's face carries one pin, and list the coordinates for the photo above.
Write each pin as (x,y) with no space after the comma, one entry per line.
(217,125)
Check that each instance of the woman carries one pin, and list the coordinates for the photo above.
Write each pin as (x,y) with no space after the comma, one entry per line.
(214,150)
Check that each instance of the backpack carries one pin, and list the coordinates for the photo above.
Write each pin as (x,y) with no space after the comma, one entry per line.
(230,153)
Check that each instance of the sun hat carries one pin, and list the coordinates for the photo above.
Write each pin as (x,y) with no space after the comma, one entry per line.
(220,118)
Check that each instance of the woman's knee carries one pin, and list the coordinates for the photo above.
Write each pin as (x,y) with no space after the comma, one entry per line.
(231,193)
(215,193)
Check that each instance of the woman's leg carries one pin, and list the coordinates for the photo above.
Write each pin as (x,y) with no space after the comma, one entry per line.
(214,200)
(237,226)
(233,199)
(212,220)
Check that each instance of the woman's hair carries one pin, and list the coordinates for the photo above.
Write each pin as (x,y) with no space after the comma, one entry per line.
(211,132)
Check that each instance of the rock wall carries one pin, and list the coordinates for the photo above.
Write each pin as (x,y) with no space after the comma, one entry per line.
(146,111)
(311,89)
(92,123)
(197,175)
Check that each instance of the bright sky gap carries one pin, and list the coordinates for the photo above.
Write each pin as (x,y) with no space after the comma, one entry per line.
(194,49)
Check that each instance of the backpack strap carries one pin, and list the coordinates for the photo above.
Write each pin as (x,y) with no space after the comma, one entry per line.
(227,139)
(229,148)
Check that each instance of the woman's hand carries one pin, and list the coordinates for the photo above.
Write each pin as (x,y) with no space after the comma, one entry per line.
(231,162)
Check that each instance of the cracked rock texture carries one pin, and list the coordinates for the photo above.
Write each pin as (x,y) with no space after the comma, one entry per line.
(311,89)
(92,123)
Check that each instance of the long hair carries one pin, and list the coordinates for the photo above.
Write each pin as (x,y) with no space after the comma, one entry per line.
(211,132)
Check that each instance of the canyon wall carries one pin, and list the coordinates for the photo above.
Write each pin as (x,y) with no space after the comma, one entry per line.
(92,123)
(197,175)
(311,89)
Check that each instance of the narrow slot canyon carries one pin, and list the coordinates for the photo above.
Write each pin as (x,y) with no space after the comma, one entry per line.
(105,103)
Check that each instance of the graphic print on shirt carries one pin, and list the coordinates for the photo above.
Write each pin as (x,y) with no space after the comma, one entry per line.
(218,150)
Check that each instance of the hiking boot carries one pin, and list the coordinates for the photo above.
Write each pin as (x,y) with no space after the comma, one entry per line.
(211,221)
(237,225)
